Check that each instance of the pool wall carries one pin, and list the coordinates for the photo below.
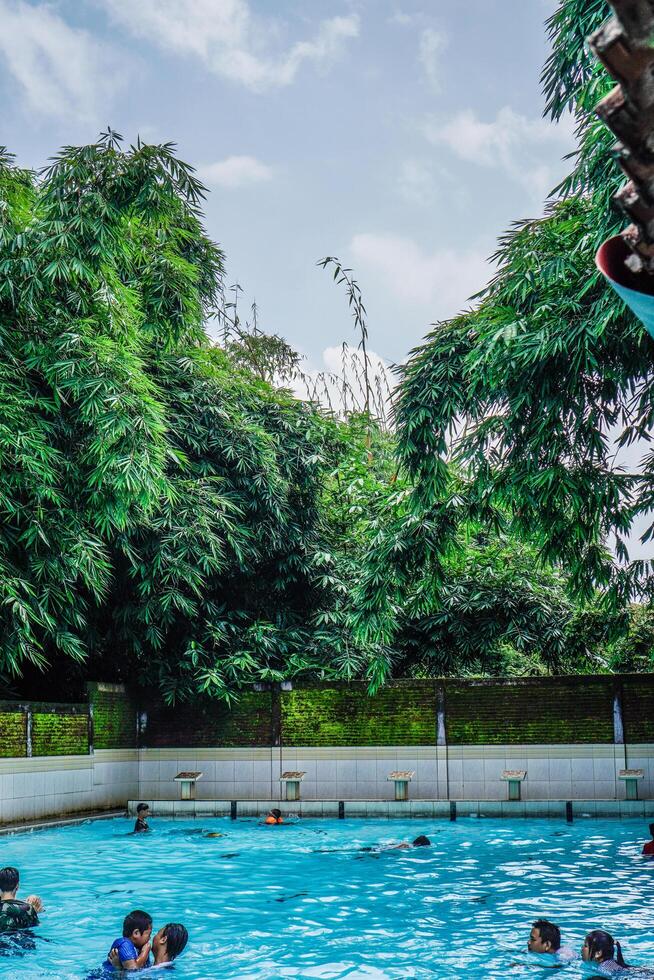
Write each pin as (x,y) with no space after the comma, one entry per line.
(464,772)
(572,735)
(47,786)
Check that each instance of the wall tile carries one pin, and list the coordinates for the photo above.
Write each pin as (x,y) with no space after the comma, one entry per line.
(473,771)
(366,770)
(472,789)
(560,770)
(346,770)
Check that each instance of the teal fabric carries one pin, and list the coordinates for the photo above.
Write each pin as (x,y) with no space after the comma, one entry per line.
(639,303)
(610,261)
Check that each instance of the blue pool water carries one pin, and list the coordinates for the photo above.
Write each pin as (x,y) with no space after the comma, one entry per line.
(302,901)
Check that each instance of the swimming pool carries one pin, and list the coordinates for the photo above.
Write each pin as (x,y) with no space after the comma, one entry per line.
(301,900)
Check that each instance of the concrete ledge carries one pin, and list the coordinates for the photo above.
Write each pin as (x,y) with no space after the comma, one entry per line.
(28,828)
(413,809)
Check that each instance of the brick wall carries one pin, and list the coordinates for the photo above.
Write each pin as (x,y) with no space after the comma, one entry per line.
(60,730)
(13,726)
(114,716)
(404,713)
(638,708)
(561,710)
(248,722)
(531,712)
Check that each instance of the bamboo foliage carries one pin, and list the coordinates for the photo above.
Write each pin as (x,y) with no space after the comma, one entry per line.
(536,394)
(160,506)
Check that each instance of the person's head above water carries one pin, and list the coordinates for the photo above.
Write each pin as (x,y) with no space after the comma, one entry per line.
(544,937)
(422,841)
(137,926)
(169,942)
(142,810)
(274,816)
(600,946)
(9,879)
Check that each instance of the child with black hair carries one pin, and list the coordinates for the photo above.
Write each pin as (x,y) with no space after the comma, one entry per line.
(142,814)
(604,952)
(15,914)
(168,943)
(132,949)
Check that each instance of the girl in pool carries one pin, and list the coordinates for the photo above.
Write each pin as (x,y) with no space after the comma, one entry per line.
(600,948)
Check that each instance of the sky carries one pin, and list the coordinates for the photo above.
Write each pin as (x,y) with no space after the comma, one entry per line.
(402,136)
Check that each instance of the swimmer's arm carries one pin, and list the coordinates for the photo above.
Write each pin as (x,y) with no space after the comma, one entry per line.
(534,966)
(35,902)
(142,958)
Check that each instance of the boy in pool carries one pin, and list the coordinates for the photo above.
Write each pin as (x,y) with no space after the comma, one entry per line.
(15,914)
(142,814)
(648,848)
(274,816)
(545,937)
(168,943)
(133,947)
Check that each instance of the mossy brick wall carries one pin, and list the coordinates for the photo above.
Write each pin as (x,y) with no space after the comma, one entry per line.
(60,730)
(249,722)
(403,713)
(114,716)
(548,710)
(13,731)
(638,708)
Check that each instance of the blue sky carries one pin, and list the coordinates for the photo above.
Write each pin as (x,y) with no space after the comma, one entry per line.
(401,136)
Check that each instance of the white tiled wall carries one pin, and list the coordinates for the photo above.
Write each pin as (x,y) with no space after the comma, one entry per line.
(52,785)
(554,772)
(35,788)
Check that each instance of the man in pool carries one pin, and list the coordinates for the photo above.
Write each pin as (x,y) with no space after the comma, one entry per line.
(545,937)
(133,947)
(15,914)
(142,814)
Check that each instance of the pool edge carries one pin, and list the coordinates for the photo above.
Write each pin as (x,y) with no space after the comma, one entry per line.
(50,822)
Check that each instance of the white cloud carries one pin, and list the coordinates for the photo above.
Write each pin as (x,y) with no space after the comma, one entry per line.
(401,19)
(431,46)
(229,39)
(443,279)
(61,70)
(510,142)
(235,171)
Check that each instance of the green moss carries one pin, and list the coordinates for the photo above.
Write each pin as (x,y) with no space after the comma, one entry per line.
(638,708)
(114,717)
(548,710)
(57,733)
(344,714)
(13,743)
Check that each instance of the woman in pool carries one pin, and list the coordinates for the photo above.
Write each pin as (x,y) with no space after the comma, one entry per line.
(169,942)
